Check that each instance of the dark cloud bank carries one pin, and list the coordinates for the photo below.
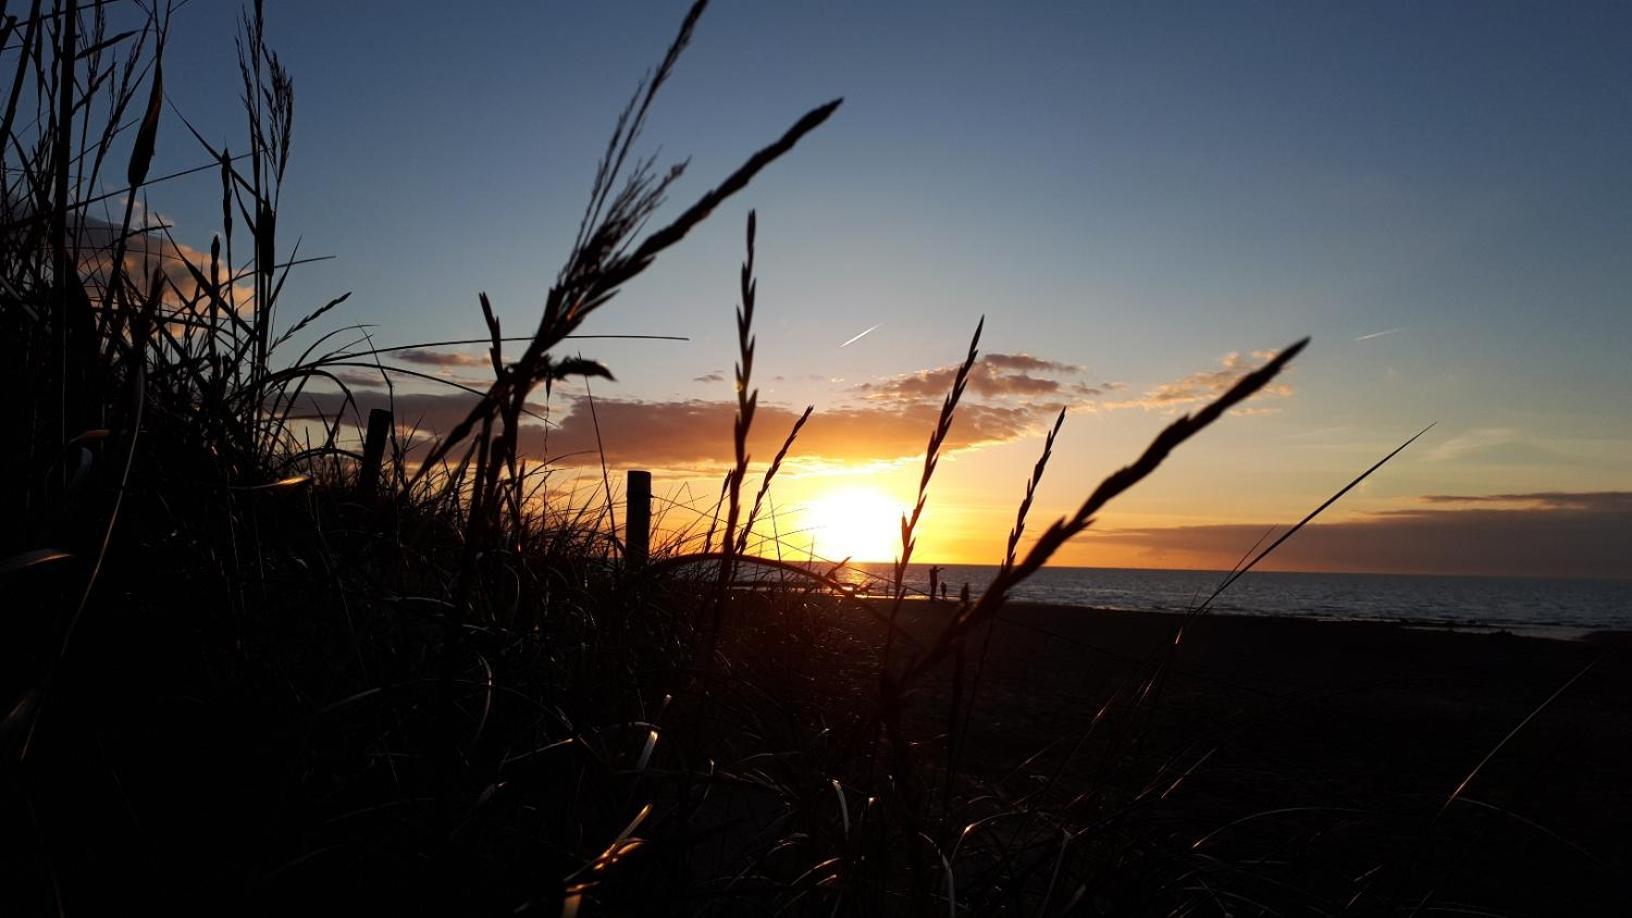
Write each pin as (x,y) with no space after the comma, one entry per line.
(1551,534)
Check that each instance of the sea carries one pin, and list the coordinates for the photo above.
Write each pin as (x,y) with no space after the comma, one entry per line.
(1559,608)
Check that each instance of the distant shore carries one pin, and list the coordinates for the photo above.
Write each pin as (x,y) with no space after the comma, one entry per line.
(1025,608)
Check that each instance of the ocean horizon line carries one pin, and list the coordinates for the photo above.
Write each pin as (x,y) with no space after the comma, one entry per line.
(1269,570)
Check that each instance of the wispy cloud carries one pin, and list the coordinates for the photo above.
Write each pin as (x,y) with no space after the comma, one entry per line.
(712,376)
(1047,384)
(995,376)
(361,379)
(860,336)
(1206,385)
(1496,446)
(1607,501)
(1026,362)
(435,358)
(1381,334)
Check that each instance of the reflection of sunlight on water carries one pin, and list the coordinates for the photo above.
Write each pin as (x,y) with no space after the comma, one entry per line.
(853,576)
(867,580)
(1556,607)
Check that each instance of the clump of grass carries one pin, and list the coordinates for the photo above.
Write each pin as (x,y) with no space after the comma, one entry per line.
(432,652)
(1063,530)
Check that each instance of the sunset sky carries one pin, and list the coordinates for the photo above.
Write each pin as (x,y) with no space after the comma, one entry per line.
(1141,199)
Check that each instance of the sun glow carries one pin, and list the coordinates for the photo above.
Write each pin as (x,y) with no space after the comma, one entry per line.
(859,522)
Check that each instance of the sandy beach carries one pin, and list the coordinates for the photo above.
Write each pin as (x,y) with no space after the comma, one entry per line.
(1337,744)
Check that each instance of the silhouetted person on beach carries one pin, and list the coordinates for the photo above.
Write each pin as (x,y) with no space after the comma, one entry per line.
(934,577)
(963,594)
(943,591)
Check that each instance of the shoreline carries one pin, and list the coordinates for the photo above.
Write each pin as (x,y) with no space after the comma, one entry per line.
(1221,572)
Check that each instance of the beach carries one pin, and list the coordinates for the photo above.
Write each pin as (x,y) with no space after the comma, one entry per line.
(1339,742)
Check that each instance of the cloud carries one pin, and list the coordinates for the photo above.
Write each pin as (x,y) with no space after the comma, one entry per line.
(1206,385)
(360,379)
(427,357)
(696,434)
(995,376)
(1495,446)
(1028,362)
(1544,534)
(431,412)
(1009,396)
(1381,334)
(146,252)
(1607,501)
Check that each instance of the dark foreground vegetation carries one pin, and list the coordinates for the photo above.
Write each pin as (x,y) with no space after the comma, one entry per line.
(244,671)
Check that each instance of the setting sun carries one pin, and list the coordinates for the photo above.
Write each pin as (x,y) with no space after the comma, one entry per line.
(862,523)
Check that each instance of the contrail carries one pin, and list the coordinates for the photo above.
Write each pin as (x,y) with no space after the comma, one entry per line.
(859,337)
(1386,331)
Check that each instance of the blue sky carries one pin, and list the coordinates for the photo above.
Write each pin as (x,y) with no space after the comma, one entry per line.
(1136,189)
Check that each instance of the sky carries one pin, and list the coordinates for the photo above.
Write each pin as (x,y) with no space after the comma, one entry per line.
(1142,200)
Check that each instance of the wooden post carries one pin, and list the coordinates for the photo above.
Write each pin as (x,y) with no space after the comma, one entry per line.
(379,430)
(637,517)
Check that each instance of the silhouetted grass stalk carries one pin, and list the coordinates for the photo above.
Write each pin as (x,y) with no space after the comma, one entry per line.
(1062,530)
(765,484)
(957,733)
(932,457)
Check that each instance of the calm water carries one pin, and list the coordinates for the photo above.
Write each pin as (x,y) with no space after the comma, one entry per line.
(1519,604)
